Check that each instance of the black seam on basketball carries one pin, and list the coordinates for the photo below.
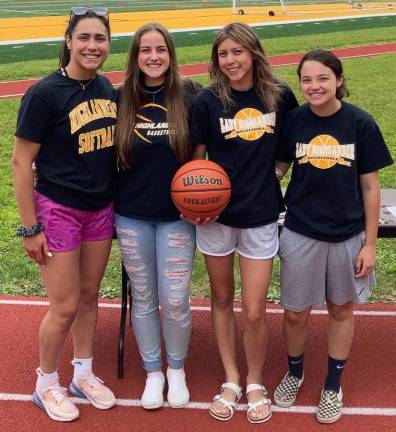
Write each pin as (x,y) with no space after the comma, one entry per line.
(222,207)
(199,190)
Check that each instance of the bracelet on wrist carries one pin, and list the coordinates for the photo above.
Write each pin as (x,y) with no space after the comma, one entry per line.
(30,231)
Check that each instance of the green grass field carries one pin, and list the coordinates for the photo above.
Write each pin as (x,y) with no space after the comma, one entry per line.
(371,81)
(385,31)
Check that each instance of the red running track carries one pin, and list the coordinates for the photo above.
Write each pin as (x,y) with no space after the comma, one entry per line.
(369,391)
(18,88)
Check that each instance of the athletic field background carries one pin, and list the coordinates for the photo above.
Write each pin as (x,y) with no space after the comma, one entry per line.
(372,82)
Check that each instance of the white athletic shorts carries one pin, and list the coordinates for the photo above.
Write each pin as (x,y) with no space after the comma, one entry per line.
(217,239)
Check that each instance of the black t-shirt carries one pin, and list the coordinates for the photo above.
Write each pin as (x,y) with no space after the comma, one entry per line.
(243,141)
(75,127)
(143,190)
(324,197)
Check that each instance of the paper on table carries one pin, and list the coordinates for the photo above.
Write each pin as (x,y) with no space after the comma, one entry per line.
(392,210)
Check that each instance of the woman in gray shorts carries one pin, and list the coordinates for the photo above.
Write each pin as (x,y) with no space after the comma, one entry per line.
(327,246)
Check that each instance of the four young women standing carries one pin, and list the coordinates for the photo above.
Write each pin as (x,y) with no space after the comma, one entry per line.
(236,120)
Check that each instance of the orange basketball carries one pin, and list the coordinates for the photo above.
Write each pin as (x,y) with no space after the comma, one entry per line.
(201,189)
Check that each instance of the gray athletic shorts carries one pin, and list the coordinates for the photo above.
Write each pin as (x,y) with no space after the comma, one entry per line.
(313,271)
(217,239)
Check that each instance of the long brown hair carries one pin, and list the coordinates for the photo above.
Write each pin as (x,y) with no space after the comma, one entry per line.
(132,98)
(266,85)
(64,52)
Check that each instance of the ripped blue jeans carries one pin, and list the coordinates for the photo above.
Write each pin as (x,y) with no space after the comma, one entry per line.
(158,257)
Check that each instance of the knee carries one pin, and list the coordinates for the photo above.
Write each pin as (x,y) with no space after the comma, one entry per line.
(89,295)
(65,313)
(222,301)
(254,317)
(340,312)
(177,309)
(295,319)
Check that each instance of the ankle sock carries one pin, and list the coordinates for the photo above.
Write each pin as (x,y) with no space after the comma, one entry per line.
(45,380)
(296,365)
(334,373)
(81,366)
(172,371)
(158,374)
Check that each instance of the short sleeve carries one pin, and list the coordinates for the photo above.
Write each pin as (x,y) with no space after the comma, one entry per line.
(373,154)
(34,117)
(283,152)
(199,121)
(288,101)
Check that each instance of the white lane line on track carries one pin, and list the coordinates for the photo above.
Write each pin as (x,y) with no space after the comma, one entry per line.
(194,308)
(298,409)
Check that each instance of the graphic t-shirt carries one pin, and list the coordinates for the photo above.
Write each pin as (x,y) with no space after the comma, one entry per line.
(243,141)
(75,127)
(143,190)
(324,197)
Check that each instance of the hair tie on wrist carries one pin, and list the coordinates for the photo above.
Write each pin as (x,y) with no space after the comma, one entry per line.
(29,231)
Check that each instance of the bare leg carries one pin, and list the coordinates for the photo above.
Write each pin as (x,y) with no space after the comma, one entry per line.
(93,259)
(221,275)
(61,280)
(255,278)
(341,330)
(295,326)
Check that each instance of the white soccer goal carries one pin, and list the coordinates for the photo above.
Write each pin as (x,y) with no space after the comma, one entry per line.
(273,7)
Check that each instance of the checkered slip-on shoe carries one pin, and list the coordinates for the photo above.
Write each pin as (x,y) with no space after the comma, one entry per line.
(330,406)
(286,393)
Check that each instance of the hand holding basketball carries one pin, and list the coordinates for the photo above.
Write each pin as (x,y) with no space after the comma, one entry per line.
(201,190)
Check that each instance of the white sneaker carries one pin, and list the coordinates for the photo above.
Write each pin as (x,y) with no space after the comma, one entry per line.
(54,401)
(178,394)
(153,396)
(90,387)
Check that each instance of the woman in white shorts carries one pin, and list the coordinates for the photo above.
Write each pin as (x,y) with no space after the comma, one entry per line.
(242,87)
(327,248)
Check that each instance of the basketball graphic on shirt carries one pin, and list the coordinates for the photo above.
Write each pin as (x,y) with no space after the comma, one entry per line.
(319,151)
(244,117)
(248,124)
(324,152)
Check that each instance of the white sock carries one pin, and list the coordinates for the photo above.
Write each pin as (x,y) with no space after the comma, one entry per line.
(81,367)
(158,374)
(175,371)
(45,380)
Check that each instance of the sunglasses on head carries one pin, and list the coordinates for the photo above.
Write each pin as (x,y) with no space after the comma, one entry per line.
(83,10)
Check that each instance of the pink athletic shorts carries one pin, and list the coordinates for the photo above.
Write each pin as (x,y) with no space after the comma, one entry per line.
(66,227)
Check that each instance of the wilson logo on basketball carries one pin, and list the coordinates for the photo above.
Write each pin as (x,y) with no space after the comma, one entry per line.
(324,151)
(248,124)
(201,180)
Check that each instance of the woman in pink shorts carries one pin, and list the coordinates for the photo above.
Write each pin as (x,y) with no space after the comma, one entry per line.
(66,125)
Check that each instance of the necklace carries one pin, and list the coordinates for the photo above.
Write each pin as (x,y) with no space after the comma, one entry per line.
(153,92)
(83,85)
